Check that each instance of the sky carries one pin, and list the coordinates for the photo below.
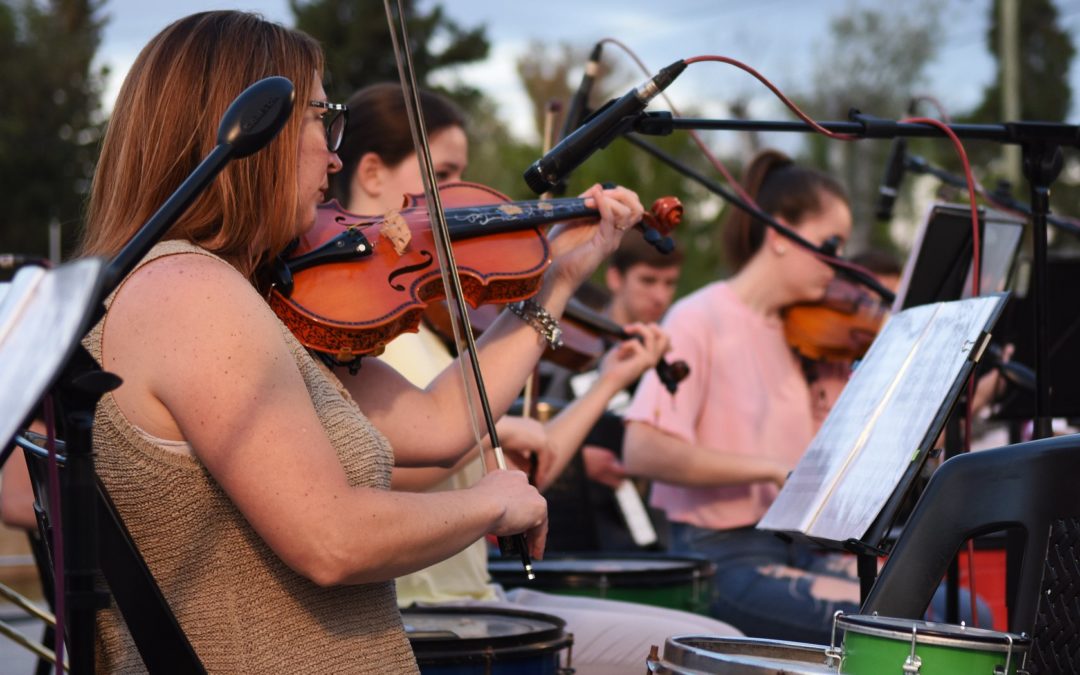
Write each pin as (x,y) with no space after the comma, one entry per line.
(779,38)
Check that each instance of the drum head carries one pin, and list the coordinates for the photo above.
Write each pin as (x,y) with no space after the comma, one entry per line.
(929,632)
(468,634)
(594,571)
(743,656)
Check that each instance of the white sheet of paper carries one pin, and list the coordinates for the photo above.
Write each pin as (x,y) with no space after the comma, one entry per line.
(42,314)
(882,418)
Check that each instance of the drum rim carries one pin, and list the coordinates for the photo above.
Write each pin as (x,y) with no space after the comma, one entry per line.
(437,652)
(989,641)
(503,647)
(698,569)
(690,656)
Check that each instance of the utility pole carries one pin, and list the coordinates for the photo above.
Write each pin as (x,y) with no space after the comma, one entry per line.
(1009,48)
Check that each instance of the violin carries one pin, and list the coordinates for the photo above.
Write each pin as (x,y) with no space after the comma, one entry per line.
(586,336)
(838,328)
(579,352)
(670,374)
(352,283)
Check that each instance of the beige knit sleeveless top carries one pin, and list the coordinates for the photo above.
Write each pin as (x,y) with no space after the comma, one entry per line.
(241,607)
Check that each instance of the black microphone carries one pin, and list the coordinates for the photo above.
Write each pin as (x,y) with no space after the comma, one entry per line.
(598,130)
(579,104)
(890,183)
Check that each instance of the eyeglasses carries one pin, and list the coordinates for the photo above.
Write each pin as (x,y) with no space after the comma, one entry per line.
(335,121)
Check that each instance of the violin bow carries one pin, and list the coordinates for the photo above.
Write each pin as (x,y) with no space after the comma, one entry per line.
(473,379)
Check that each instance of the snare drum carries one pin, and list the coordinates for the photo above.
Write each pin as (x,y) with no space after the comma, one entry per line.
(483,641)
(876,644)
(692,654)
(678,583)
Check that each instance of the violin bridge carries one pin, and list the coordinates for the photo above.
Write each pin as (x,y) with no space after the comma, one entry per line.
(396,230)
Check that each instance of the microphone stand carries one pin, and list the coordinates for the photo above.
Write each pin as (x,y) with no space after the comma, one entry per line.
(1040,143)
(251,121)
(719,189)
(917,164)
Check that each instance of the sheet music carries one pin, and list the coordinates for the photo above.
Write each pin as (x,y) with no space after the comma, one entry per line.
(42,313)
(881,421)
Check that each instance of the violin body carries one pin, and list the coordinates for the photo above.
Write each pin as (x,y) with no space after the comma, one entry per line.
(347,309)
(839,328)
(352,283)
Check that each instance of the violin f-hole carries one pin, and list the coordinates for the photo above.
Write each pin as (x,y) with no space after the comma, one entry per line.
(408,269)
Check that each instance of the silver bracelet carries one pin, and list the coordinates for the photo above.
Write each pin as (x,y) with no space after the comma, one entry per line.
(534,314)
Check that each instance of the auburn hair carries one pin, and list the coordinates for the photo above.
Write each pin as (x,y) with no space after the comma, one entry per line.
(782,189)
(165,122)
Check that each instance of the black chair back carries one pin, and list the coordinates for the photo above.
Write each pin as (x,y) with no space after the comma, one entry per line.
(157,635)
(1026,489)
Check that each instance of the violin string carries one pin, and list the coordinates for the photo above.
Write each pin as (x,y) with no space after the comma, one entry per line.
(472,378)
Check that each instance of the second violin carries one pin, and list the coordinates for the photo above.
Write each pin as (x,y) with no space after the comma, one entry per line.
(839,327)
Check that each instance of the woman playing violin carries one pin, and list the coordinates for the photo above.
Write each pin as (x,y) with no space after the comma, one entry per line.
(724,443)
(380,165)
(252,483)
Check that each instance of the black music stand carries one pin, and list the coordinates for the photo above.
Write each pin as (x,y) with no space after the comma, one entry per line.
(940,266)
(43,315)
(847,489)
(1063,328)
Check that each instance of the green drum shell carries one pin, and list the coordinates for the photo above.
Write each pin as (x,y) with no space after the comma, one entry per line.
(682,583)
(874,645)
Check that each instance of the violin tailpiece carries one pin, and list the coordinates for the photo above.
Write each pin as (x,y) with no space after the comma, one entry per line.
(396,230)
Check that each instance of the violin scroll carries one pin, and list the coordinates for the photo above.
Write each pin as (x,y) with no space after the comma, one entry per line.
(664,216)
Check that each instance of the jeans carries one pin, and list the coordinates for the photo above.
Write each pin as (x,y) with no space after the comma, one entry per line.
(769,588)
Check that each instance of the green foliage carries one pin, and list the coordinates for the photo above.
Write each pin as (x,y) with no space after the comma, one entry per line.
(875,61)
(1046,52)
(49,117)
(359,51)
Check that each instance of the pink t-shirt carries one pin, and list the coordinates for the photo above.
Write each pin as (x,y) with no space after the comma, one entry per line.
(745,395)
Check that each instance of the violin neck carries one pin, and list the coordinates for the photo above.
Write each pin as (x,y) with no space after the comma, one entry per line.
(594,321)
(476,221)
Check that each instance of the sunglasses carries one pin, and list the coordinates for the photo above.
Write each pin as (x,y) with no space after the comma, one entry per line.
(334,120)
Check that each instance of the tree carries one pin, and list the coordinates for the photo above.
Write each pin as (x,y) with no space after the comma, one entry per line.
(49,117)
(875,61)
(1046,52)
(359,50)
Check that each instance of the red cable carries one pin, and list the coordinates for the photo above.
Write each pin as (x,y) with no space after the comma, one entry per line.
(713,159)
(976,276)
(779,94)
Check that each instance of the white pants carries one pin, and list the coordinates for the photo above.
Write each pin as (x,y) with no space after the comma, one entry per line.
(610,637)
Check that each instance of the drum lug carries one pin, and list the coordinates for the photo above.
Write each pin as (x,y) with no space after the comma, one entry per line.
(832,652)
(912,664)
(1020,670)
